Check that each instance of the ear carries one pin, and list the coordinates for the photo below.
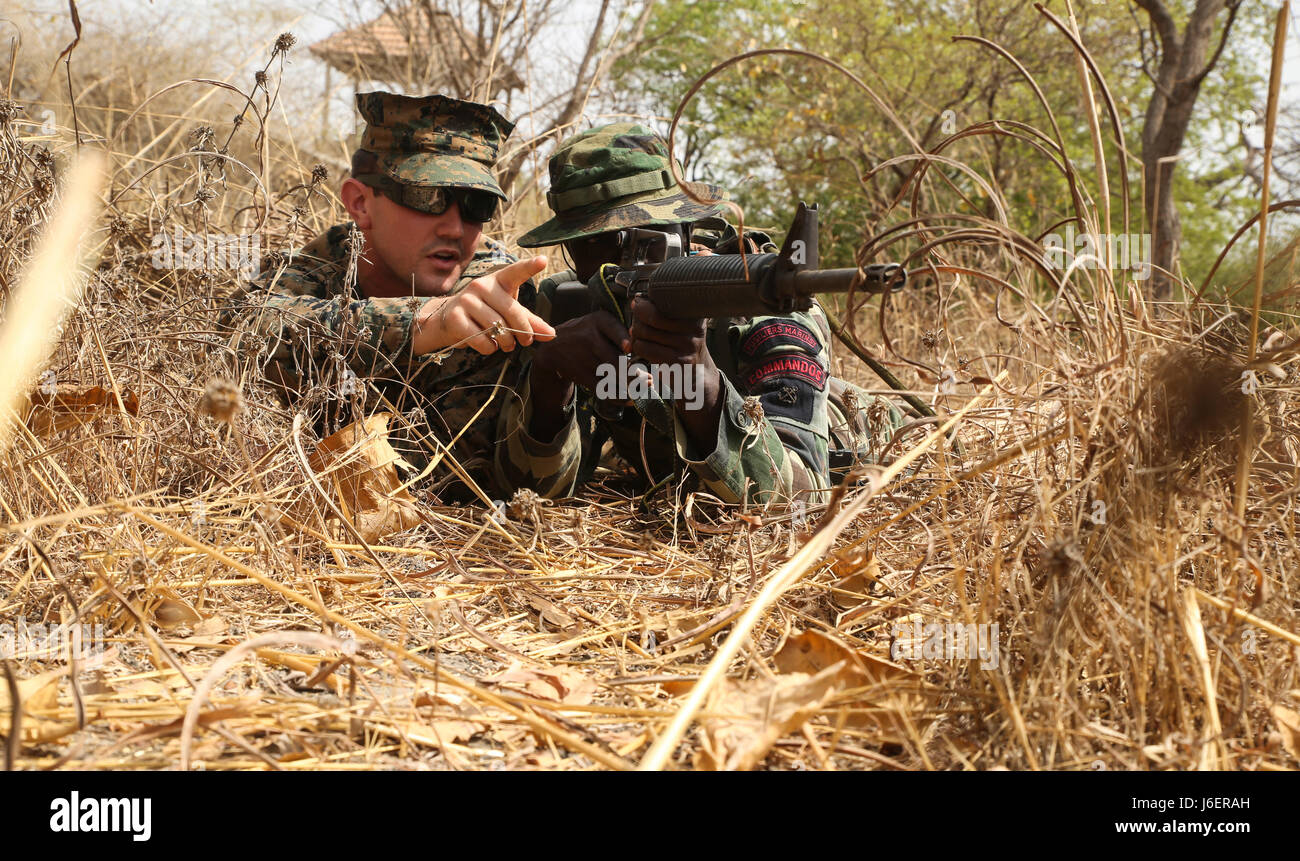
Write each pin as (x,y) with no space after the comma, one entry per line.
(359,199)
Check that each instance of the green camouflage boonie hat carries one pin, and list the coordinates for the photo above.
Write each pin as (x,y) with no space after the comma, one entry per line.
(611,177)
(413,143)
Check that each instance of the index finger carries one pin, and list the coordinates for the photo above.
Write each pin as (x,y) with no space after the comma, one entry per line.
(513,276)
(613,330)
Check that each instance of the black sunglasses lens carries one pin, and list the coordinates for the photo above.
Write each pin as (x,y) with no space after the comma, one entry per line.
(476,205)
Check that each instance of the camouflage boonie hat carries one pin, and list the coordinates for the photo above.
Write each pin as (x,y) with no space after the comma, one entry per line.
(413,143)
(612,177)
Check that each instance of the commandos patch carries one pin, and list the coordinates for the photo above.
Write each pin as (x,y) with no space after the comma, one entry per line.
(799,367)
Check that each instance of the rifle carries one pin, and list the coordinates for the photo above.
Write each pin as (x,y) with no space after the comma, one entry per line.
(653,264)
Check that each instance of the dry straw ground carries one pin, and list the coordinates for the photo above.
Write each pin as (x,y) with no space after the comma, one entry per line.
(1146,614)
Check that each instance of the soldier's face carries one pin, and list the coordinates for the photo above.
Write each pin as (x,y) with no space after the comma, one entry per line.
(590,252)
(413,252)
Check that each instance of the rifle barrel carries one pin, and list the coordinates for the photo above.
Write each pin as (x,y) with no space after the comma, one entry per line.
(880,278)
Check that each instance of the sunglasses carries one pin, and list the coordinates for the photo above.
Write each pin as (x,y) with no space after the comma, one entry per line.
(475,204)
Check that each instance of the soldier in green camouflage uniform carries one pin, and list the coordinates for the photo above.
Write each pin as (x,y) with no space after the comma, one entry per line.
(764,427)
(381,302)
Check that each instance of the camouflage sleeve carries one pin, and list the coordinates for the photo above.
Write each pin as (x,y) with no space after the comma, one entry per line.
(747,457)
(772,434)
(301,331)
(862,425)
(307,321)
(548,467)
(771,442)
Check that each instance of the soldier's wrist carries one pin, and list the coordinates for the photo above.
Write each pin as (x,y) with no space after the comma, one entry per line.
(548,387)
(430,329)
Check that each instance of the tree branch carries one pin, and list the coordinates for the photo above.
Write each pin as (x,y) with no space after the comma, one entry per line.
(1223,40)
(1163,22)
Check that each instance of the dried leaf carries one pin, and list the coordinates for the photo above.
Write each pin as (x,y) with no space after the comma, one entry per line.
(746,718)
(848,563)
(442,731)
(76,26)
(1273,371)
(857,582)
(553,614)
(1288,724)
(44,731)
(212,627)
(442,698)
(38,693)
(678,688)
(172,611)
(881,695)
(52,414)
(548,683)
(206,633)
(513,737)
(550,645)
(361,466)
(173,727)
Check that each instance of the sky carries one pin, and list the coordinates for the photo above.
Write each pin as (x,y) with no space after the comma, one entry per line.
(247,38)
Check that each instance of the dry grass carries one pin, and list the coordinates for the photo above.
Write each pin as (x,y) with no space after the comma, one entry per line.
(1089,512)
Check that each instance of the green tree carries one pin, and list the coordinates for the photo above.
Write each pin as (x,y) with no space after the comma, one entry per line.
(776,129)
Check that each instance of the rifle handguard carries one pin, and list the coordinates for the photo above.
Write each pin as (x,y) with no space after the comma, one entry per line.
(715,286)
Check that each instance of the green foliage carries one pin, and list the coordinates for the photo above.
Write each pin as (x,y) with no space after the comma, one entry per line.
(1234,281)
(778,129)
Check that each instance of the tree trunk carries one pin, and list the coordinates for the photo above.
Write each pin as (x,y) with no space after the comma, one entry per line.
(1177,82)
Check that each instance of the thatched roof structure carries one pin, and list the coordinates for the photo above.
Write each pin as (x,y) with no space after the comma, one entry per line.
(407,48)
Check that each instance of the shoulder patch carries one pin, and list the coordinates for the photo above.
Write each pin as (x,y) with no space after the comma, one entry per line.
(790,365)
(779,333)
(791,398)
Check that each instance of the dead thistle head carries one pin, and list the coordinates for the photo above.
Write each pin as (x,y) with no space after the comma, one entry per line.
(1195,405)
(221,400)
(526,504)
(283,43)
(204,138)
(43,174)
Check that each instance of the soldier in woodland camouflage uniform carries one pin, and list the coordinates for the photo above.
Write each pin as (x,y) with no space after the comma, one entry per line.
(764,426)
(379,301)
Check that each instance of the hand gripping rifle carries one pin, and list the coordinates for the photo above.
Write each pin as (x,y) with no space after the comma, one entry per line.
(654,264)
